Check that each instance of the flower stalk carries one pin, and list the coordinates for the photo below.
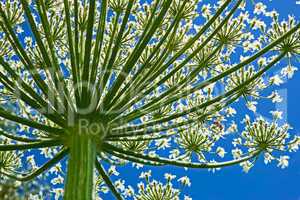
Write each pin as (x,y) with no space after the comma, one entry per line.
(80,177)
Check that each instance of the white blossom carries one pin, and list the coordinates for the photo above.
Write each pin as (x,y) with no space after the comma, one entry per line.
(185,181)
(283,162)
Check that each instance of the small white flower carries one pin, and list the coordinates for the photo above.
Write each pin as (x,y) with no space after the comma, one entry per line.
(232,128)
(294,144)
(120,184)
(129,192)
(28,41)
(58,193)
(46,152)
(163,143)
(221,152)
(268,158)
(206,10)
(185,181)
(276,114)
(19,30)
(251,105)
(56,169)
(187,198)
(262,61)
(169,177)
(257,24)
(30,159)
(141,186)
(112,170)
(289,71)
(246,166)
(237,141)
(276,80)
(276,98)
(145,175)
(137,165)
(174,153)
(57,180)
(237,153)
(260,8)
(283,162)
(230,111)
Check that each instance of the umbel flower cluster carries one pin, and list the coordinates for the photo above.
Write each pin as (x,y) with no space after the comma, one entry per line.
(90,86)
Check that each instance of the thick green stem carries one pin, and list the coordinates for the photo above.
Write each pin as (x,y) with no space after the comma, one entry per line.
(80,176)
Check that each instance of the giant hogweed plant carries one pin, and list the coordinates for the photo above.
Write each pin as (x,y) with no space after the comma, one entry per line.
(111,82)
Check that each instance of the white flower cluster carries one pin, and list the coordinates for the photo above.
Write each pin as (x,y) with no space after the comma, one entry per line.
(153,189)
(266,137)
